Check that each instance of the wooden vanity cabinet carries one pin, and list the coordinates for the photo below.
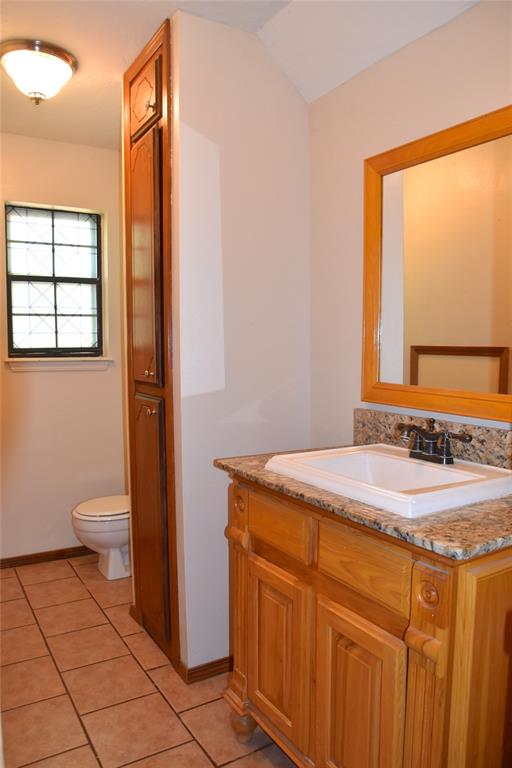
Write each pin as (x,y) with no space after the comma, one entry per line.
(353,651)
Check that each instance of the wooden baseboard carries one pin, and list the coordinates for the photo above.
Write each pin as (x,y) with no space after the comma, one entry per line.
(203,671)
(41,557)
(191,674)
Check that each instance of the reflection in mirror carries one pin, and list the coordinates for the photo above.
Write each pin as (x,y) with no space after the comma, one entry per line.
(447,269)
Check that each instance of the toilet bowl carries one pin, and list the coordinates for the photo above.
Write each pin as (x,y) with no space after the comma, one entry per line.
(103,525)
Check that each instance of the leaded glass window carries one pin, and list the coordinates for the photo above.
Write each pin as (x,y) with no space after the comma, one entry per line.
(53,282)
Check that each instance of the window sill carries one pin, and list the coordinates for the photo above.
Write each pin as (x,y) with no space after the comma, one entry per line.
(27,364)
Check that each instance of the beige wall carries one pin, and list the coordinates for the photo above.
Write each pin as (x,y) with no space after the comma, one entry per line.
(62,430)
(457,72)
(458,261)
(242,313)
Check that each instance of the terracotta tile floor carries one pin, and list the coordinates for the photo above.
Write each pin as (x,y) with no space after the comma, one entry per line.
(84,686)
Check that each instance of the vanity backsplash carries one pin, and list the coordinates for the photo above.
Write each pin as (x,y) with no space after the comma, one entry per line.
(490,445)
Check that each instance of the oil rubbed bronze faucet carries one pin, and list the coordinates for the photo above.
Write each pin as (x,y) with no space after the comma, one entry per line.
(429,444)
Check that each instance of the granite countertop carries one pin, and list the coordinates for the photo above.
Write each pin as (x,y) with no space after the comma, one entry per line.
(460,533)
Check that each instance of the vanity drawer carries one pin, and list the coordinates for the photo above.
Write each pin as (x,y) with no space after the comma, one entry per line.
(282,526)
(379,571)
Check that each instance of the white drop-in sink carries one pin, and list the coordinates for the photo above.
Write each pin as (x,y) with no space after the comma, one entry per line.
(385,476)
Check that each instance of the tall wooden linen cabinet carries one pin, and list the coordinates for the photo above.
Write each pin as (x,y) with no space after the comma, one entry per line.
(147,186)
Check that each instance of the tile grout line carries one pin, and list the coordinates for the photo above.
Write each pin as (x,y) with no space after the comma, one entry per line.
(91,663)
(158,691)
(70,631)
(38,701)
(231,762)
(197,706)
(145,671)
(130,654)
(60,672)
(55,605)
(89,742)
(178,714)
(162,752)
(66,751)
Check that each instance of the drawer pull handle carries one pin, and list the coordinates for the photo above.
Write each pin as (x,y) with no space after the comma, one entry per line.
(150,412)
(150,105)
(148,373)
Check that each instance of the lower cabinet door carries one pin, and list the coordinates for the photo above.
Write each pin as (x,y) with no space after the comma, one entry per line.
(280,649)
(150,516)
(361,677)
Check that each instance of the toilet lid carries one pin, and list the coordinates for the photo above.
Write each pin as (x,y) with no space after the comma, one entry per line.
(105,506)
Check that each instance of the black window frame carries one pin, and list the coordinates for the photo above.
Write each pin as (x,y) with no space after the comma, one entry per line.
(60,352)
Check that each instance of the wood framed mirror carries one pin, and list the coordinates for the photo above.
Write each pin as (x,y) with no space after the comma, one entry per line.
(438,269)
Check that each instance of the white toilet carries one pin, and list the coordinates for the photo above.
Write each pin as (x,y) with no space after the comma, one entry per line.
(103,525)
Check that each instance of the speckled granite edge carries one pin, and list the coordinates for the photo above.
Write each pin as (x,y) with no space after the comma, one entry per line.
(459,534)
(490,445)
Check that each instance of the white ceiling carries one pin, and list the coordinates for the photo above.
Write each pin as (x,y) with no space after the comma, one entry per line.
(324,43)
(317,43)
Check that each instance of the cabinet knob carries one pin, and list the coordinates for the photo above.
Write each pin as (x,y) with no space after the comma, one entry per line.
(150,105)
(148,373)
(429,594)
(150,412)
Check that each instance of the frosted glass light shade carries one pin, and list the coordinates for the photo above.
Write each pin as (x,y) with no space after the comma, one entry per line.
(38,69)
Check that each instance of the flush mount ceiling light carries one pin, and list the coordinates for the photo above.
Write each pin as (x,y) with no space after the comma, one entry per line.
(39,69)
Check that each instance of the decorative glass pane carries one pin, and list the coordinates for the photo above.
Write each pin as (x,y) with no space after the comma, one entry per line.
(77,331)
(47,312)
(28,297)
(76,299)
(75,261)
(30,259)
(75,228)
(30,225)
(33,332)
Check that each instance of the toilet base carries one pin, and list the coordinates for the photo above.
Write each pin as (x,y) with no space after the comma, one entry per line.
(115,563)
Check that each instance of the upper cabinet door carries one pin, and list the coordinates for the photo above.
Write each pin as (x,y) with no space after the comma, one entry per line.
(146,259)
(146,97)
(361,672)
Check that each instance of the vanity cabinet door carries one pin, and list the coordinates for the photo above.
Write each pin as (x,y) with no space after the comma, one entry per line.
(149,522)
(146,259)
(361,676)
(280,649)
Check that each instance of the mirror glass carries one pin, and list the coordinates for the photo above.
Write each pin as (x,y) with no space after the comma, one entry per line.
(446,282)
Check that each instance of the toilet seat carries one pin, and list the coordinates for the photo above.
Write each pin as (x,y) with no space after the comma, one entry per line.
(103,508)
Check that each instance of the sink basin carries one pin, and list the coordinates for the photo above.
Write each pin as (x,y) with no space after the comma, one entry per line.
(385,476)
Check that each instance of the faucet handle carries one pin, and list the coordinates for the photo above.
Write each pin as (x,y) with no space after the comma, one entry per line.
(403,431)
(445,443)
(464,437)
